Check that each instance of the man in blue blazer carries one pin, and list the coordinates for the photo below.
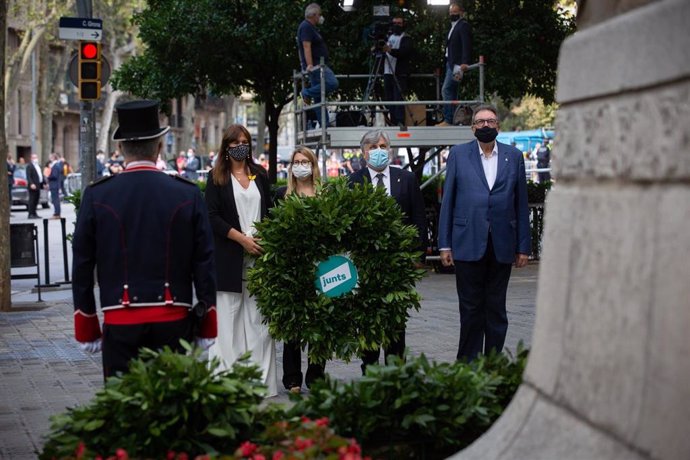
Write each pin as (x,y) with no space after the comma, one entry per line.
(484,229)
(402,186)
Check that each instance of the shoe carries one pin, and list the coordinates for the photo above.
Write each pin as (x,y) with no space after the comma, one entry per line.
(55,217)
(33,217)
(443,123)
(295,390)
(307,100)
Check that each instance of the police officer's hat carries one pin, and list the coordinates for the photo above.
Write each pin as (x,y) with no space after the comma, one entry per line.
(138,120)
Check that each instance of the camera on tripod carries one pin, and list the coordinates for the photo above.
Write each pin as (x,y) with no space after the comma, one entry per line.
(380,29)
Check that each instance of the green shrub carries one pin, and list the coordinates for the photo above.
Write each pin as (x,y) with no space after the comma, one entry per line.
(417,409)
(166,402)
(300,232)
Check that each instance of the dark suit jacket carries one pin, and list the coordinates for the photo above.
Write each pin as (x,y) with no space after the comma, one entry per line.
(460,44)
(32,176)
(403,54)
(149,235)
(406,192)
(56,175)
(222,212)
(469,208)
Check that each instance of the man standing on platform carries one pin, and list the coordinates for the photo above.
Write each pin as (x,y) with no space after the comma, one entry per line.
(398,51)
(458,55)
(311,48)
(149,237)
(483,229)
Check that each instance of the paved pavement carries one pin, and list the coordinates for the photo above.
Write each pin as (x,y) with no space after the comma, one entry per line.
(43,371)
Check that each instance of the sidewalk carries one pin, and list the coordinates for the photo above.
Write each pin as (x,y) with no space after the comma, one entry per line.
(43,371)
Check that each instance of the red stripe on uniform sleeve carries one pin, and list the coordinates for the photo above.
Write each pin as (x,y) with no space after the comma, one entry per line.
(86,327)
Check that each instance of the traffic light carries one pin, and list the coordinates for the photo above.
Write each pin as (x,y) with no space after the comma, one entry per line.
(89,71)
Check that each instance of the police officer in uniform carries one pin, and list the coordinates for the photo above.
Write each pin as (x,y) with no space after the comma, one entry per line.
(149,237)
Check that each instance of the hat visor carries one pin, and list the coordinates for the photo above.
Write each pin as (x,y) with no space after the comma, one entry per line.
(119,136)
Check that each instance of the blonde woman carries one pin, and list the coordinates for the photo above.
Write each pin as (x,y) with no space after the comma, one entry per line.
(237,196)
(303,177)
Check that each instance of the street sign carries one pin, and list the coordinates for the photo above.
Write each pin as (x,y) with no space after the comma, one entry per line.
(90,29)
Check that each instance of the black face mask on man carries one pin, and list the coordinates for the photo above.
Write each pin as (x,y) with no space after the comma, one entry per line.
(454,17)
(486,134)
(397,29)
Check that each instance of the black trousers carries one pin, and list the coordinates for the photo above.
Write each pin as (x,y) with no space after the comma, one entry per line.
(397,348)
(392,93)
(482,286)
(33,201)
(292,367)
(122,343)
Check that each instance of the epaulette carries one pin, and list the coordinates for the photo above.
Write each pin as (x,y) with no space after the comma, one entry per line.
(101,180)
(183,179)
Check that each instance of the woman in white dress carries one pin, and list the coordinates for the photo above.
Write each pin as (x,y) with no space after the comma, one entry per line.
(238,195)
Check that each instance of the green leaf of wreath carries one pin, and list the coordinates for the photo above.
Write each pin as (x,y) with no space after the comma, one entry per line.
(366,225)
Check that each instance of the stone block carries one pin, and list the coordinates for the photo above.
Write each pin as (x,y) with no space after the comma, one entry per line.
(635,137)
(644,47)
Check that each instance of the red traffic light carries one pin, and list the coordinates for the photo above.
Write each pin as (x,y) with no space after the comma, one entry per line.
(89,51)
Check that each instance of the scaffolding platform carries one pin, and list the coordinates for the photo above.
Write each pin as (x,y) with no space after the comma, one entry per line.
(416,136)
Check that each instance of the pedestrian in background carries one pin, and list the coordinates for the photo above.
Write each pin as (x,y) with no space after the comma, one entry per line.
(10,177)
(149,238)
(402,186)
(191,165)
(238,195)
(303,178)
(34,182)
(458,58)
(55,178)
(483,229)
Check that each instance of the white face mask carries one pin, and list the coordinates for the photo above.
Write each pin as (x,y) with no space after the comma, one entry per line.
(321,20)
(300,171)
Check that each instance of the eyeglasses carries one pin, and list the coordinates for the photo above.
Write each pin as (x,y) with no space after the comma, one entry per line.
(301,162)
(490,122)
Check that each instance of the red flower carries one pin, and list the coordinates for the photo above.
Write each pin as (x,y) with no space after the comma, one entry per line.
(258,457)
(354,447)
(350,456)
(203,457)
(305,419)
(323,421)
(303,443)
(79,451)
(121,454)
(247,448)
(278,455)
(182,456)
(170,455)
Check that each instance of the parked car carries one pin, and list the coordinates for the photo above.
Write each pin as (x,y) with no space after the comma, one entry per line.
(20,190)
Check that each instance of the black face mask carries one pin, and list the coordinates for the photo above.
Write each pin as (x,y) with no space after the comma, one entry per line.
(396,29)
(486,134)
(240,152)
(454,17)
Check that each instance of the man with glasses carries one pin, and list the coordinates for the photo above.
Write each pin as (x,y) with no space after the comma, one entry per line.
(483,230)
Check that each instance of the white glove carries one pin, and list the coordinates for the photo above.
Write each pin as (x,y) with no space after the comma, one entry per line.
(204,344)
(457,73)
(91,347)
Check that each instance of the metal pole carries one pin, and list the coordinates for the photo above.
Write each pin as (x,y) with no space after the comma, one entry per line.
(481,78)
(46,254)
(87,143)
(323,100)
(294,105)
(65,264)
(38,263)
(33,103)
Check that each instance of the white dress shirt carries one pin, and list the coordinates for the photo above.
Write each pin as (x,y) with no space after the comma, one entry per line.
(386,178)
(490,164)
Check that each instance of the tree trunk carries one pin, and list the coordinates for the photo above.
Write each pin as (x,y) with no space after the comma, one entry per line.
(5,288)
(261,130)
(187,122)
(272,117)
(106,120)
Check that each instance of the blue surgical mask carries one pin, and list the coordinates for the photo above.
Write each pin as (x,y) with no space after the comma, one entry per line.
(378,159)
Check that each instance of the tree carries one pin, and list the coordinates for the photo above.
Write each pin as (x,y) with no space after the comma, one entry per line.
(5,289)
(218,47)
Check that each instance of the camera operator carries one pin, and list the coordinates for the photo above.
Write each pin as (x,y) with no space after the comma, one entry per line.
(458,51)
(398,51)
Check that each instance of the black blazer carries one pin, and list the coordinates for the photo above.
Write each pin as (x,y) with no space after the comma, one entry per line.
(222,212)
(460,44)
(406,192)
(32,176)
(403,54)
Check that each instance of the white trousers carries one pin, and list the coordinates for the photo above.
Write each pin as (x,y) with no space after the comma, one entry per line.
(240,330)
